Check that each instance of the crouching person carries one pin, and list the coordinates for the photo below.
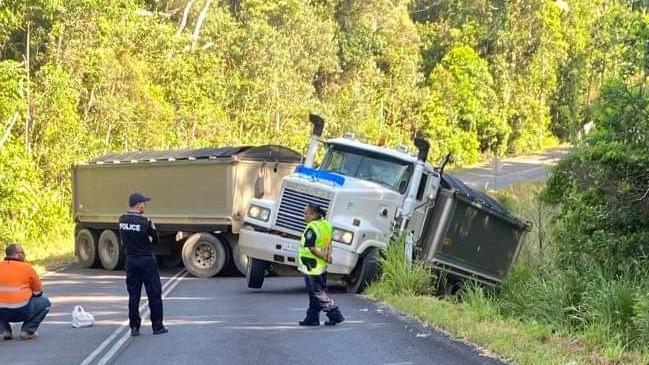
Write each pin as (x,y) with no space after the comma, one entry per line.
(21,295)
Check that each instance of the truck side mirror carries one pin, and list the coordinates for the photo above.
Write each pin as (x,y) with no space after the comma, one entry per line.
(403,185)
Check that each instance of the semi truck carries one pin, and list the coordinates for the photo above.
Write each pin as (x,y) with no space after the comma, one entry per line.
(373,194)
(199,198)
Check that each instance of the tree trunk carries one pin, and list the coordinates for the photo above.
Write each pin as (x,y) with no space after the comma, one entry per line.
(28,114)
(89,104)
(107,138)
(59,45)
(183,22)
(7,132)
(199,23)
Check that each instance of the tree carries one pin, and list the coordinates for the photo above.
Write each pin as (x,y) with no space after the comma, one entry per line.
(462,97)
(604,185)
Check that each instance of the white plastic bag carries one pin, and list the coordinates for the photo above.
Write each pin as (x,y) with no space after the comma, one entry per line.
(81,318)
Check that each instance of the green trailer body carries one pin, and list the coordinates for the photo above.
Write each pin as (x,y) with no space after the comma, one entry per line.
(471,236)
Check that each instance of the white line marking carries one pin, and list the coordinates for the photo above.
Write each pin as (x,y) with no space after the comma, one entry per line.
(109,355)
(144,306)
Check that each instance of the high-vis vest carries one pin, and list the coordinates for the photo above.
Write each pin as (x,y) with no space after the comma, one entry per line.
(323,233)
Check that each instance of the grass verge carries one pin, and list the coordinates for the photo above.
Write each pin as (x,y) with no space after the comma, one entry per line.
(515,341)
(51,255)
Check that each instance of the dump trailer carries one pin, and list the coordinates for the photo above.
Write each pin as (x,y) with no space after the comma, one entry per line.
(199,198)
(372,194)
(468,234)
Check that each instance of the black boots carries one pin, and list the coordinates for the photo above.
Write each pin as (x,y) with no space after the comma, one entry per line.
(310,320)
(161,330)
(335,317)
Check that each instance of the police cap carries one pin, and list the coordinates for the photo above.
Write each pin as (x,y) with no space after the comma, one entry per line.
(136,198)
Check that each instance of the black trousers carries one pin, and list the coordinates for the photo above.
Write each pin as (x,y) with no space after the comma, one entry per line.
(143,270)
(319,299)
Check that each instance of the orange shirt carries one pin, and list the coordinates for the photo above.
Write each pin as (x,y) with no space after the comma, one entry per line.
(18,281)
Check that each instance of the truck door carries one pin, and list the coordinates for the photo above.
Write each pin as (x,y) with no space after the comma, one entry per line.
(427,186)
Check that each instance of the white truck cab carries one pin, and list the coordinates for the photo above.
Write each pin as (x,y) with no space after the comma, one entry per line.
(368,191)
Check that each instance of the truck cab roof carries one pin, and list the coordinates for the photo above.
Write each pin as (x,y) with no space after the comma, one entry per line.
(392,153)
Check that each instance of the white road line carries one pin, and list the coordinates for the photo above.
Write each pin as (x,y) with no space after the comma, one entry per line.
(143,307)
(113,350)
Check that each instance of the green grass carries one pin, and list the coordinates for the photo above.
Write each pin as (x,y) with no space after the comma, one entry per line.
(397,277)
(49,255)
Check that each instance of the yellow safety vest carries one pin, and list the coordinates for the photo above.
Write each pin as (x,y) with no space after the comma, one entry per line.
(323,233)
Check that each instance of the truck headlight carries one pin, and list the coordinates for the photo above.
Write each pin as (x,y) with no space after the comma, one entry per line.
(343,236)
(260,213)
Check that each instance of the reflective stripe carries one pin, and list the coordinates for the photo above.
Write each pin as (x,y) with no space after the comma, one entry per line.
(13,289)
(14,305)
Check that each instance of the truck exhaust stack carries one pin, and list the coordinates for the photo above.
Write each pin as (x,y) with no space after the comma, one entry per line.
(409,203)
(423,146)
(318,126)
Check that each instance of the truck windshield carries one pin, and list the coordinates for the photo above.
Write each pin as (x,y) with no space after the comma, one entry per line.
(389,172)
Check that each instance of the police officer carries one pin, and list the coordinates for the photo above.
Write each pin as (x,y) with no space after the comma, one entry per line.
(138,234)
(313,257)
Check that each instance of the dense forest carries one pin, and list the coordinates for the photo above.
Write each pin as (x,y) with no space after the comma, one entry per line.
(79,78)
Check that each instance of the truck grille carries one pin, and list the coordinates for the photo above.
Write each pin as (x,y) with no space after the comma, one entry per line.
(291,208)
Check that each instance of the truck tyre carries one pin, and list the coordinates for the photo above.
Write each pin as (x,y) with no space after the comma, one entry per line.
(174,259)
(255,273)
(452,289)
(366,271)
(111,252)
(204,255)
(240,259)
(86,248)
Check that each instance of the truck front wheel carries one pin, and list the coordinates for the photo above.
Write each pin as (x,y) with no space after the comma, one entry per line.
(111,252)
(240,259)
(204,255)
(255,273)
(366,271)
(86,248)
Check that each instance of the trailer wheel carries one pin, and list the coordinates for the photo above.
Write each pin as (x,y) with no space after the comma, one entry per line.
(452,289)
(204,255)
(86,248)
(366,271)
(255,273)
(111,252)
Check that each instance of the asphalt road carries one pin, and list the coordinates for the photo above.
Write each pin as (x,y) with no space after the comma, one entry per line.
(532,168)
(221,321)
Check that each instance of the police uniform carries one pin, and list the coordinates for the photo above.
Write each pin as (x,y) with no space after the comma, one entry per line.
(317,234)
(138,233)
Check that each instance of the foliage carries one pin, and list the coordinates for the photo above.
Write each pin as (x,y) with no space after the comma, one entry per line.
(399,277)
(603,186)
